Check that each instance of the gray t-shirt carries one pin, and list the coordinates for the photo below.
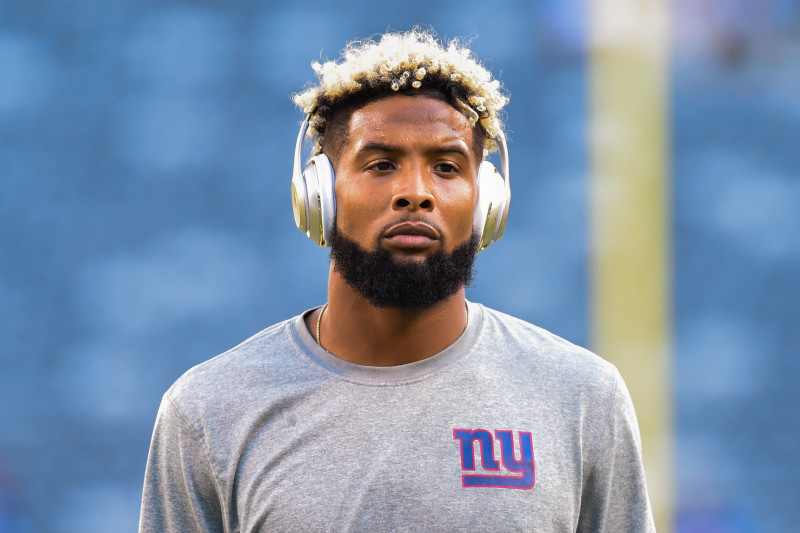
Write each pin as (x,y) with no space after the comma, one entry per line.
(508,429)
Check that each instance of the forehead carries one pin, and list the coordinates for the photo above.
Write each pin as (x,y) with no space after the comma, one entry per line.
(408,118)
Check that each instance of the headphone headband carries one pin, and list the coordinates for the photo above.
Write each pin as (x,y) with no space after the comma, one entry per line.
(502,149)
(298,147)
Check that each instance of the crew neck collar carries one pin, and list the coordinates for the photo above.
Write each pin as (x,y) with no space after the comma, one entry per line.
(387,375)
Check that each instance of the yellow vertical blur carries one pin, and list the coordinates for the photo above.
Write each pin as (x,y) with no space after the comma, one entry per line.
(629,198)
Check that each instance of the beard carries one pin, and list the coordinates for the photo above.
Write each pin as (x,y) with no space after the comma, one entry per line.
(388,282)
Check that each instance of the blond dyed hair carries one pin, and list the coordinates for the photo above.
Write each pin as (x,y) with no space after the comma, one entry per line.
(405,61)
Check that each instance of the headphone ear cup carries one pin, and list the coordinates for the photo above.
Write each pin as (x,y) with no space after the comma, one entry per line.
(318,200)
(491,208)
(300,201)
(326,197)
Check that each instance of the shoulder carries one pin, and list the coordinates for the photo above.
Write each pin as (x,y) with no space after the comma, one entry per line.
(529,344)
(229,381)
(546,359)
(241,359)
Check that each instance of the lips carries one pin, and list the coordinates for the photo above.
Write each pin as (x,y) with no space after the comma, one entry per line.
(412,228)
(411,236)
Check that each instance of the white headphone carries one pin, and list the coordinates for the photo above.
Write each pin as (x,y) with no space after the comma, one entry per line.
(314,201)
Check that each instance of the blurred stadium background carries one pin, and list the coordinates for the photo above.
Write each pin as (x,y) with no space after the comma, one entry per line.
(145,226)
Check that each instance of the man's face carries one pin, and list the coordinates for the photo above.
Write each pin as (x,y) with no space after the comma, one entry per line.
(406,192)
(406,177)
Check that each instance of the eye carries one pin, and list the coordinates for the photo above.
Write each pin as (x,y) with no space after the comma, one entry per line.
(381,166)
(445,168)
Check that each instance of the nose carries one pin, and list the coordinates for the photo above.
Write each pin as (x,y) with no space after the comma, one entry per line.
(413,192)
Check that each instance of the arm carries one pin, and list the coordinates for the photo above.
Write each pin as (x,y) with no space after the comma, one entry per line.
(180,489)
(614,496)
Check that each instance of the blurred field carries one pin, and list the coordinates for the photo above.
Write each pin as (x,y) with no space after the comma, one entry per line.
(145,226)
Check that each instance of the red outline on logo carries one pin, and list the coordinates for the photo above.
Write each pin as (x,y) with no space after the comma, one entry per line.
(464,477)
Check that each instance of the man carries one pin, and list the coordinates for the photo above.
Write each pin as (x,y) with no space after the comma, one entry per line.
(398,405)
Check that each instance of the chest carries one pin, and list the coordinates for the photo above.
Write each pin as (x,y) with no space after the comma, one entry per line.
(388,460)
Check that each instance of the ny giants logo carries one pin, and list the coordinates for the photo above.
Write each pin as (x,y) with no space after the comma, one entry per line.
(523,468)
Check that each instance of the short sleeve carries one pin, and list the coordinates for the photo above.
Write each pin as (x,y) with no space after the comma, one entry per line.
(180,490)
(614,494)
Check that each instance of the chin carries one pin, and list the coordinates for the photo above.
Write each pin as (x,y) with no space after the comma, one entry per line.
(410,259)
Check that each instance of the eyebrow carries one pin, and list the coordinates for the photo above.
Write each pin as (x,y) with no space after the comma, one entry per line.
(451,149)
(375,146)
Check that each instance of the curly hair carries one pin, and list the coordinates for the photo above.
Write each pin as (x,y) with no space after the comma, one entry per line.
(405,61)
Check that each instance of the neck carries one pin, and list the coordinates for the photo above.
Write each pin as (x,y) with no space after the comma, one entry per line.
(356,331)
